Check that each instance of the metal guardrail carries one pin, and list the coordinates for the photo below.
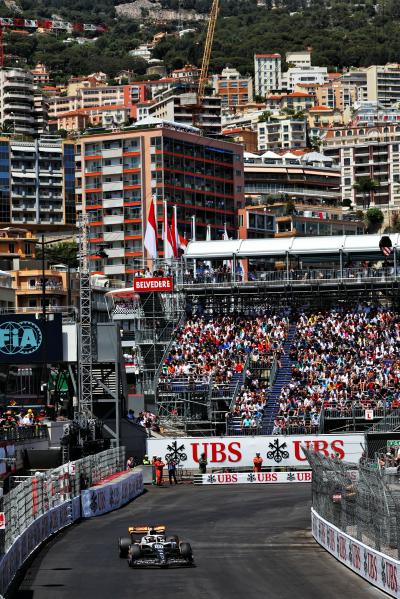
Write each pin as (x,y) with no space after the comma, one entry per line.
(366,506)
(23,433)
(291,277)
(36,495)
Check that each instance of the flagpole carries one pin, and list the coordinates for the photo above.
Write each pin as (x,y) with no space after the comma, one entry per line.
(193,228)
(175,231)
(165,230)
(194,239)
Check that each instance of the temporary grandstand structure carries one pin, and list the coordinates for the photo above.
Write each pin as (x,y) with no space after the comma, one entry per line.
(330,248)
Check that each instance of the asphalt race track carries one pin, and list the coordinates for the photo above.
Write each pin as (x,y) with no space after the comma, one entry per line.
(247,542)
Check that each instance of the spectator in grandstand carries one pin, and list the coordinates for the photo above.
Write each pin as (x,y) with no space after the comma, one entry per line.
(130,463)
(342,360)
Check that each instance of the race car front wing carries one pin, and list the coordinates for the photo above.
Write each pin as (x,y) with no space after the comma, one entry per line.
(171,561)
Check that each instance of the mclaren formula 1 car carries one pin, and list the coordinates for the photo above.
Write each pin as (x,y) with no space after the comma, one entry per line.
(149,546)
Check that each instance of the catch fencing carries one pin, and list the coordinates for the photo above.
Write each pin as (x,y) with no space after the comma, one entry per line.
(36,495)
(361,501)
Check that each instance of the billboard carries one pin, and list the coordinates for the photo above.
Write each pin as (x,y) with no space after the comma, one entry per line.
(25,339)
(238,452)
(146,285)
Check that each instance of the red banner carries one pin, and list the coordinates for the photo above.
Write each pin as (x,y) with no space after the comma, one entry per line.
(158,284)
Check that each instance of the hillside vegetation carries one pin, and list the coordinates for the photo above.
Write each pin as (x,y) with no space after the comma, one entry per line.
(341,33)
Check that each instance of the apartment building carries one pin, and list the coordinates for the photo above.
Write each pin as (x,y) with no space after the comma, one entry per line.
(233,89)
(338,94)
(37,184)
(59,289)
(267,73)
(301,75)
(183,108)
(309,184)
(367,152)
(300,59)
(280,134)
(373,113)
(17,110)
(383,83)
(118,174)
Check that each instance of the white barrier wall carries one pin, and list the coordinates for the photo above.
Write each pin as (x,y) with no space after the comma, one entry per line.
(252,478)
(42,528)
(238,452)
(111,495)
(107,497)
(378,569)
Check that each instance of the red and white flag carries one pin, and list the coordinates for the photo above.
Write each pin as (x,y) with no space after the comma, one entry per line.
(183,242)
(150,238)
(174,233)
(168,237)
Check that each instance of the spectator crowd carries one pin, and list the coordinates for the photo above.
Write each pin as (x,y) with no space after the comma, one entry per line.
(341,359)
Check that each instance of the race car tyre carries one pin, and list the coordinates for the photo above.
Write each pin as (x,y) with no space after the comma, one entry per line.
(123,546)
(173,539)
(186,551)
(134,554)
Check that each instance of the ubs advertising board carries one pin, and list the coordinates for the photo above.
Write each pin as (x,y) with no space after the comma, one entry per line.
(25,339)
(235,452)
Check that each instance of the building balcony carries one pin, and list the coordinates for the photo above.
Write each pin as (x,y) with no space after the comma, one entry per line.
(118,269)
(113,186)
(113,169)
(114,236)
(113,203)
(112,153)
(114,219)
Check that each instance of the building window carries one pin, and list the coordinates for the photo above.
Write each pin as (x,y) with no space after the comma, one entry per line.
(11,248)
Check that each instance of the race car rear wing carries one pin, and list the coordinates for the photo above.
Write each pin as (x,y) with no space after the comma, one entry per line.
(146,529)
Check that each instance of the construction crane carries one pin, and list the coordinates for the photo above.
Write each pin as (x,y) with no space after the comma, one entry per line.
(207,50)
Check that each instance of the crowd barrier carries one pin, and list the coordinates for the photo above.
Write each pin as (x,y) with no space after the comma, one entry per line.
(377,568)
(252,478)
(111,495)
(46,503)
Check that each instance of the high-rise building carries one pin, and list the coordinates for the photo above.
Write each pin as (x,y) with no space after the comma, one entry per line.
(267,73)
(233,88)
(184,108)
(365,152)
(280,134)
(119,173)
(17,100)
(37,184)
(383,83)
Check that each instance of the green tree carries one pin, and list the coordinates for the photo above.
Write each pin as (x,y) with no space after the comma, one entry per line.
(374,218)
(366,186)
(64,252)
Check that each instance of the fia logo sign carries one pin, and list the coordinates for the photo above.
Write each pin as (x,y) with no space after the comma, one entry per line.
(23,337)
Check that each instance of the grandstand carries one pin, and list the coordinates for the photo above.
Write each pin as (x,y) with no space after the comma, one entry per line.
(283,336)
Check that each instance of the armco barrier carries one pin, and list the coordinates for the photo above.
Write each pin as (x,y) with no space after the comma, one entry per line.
(377,568)
(52,501)
(112,494)
(37,532)
(252,478)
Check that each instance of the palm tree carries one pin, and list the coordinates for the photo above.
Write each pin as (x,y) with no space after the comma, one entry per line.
(367,187)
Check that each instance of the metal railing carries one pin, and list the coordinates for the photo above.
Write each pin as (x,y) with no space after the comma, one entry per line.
(366,506)
(291,277)
(22,433)
(36,495)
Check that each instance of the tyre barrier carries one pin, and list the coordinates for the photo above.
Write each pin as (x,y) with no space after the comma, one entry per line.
(109,496)
(377,568)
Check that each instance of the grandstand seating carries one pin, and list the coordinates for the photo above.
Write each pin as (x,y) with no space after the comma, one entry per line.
(278,377)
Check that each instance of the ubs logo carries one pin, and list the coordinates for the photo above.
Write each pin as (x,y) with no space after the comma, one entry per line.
(22,337)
